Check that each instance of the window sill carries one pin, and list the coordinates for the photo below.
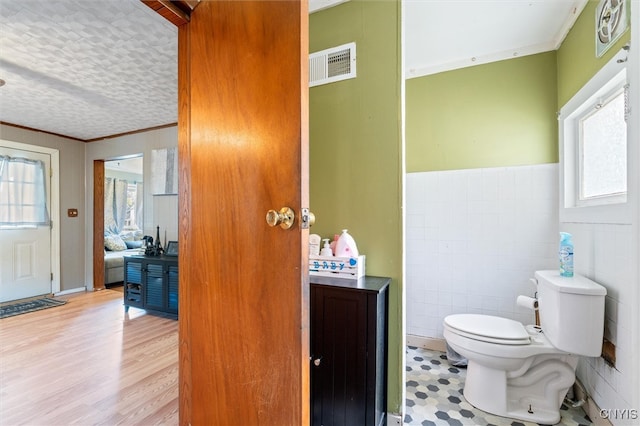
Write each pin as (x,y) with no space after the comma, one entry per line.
(606,213)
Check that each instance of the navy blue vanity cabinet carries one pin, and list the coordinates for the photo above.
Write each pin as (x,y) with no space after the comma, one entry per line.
(349,351)
(151,283)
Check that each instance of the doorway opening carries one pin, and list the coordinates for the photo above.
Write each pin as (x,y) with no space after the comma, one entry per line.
(123,215)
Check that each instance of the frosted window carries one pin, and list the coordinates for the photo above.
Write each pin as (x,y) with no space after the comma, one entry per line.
(603,150)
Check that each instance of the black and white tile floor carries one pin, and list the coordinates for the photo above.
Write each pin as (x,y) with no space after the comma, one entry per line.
(434,396)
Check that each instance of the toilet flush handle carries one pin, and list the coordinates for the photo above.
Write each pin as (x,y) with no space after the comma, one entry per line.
(534,281)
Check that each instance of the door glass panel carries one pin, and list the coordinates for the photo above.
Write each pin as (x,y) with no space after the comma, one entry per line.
(23,192)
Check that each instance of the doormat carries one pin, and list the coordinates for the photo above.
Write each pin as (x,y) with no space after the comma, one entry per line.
(29,306)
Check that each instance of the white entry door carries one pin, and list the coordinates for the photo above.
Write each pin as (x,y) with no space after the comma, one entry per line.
(25,249)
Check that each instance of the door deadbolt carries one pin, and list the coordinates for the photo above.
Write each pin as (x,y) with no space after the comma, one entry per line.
(285,218)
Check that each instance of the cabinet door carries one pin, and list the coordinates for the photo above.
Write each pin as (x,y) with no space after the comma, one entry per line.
(339,357)
(133,283)
(154,286)
(172,277)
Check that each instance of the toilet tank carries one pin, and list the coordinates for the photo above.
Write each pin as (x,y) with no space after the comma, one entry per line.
(571,312)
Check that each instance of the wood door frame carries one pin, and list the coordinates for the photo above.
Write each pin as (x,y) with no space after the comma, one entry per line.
(98,225)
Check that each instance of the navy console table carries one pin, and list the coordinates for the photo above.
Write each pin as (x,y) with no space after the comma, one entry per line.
(151,283)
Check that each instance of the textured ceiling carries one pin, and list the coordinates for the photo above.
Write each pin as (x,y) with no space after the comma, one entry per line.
(89,69)
(86,69)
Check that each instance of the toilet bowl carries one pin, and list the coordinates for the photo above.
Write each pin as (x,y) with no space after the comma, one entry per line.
(524,372)
(500,374)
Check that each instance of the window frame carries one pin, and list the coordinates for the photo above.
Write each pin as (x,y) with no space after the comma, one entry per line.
(593,109)
(606,209)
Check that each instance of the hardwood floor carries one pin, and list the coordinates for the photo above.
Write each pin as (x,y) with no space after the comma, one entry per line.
(88,362)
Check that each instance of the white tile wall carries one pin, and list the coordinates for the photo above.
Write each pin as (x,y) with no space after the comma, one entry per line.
(604,253)
(474,238)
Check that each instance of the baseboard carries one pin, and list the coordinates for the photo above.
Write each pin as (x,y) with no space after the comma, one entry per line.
(70,291)
(394,419)
(430,343)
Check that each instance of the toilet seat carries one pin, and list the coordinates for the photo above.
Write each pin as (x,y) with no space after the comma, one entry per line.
(488,328)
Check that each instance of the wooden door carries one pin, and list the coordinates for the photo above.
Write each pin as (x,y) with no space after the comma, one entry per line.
(243,146)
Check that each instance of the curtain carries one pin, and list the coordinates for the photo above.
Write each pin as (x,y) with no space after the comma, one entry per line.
(115,205)
(139,205)
(109,218)
(23,192)
(120,203)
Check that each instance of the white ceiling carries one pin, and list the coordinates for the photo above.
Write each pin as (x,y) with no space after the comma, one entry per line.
(127,165)
(92,69)
(442,35)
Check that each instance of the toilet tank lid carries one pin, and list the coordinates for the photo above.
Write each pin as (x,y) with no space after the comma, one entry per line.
(576,284)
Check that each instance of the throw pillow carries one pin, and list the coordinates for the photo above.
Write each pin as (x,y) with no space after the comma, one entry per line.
(114,243)
(133,244)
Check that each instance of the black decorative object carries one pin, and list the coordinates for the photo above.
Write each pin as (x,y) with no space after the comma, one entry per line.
(152,249)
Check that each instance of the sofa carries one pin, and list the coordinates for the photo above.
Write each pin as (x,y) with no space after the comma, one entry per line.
(116,247)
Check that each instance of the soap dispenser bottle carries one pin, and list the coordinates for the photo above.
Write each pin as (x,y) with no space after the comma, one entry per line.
(326,249)
(346,245)
(566,255)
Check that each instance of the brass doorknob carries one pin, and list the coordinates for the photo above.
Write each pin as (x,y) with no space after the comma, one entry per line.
(307,218)
(285,218)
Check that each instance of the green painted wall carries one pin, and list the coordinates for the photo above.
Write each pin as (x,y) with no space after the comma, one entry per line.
(492,115)
(577,61)
(355,150)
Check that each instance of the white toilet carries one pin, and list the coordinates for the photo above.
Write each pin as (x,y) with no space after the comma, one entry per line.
(525,372)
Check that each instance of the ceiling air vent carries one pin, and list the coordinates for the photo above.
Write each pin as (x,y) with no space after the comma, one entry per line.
(335,64)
